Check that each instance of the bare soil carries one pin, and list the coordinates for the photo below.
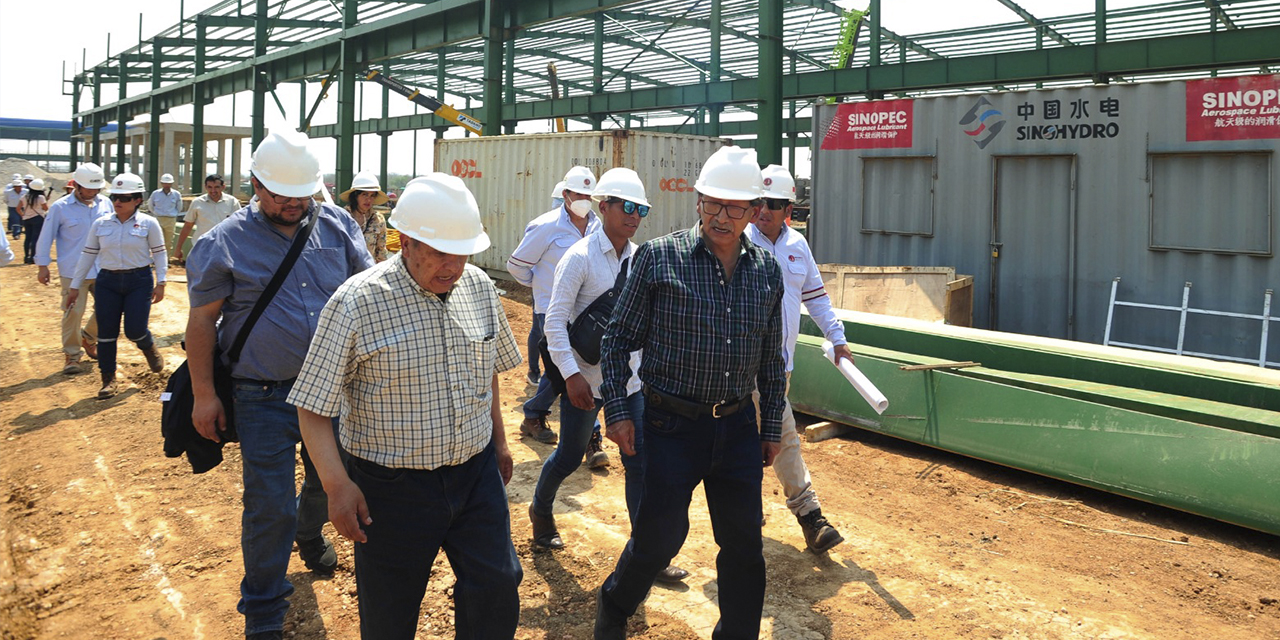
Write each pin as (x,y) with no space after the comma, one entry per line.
(101,536)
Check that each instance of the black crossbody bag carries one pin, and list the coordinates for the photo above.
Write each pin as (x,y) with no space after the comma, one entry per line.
(586,332)
(176,425)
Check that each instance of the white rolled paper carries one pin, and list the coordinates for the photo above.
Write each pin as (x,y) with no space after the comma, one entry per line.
(860,381)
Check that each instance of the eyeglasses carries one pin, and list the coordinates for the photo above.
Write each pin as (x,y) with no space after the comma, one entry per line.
(713,209)
(629,207)
(125,197)
(279,199)
(776,204)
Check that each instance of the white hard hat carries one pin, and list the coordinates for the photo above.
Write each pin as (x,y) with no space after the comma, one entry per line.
(127,183)
(620,182)
(28,177)
(778,183)
(37,185)
(437,209)
(558,190)
(731,173)
(17,182)
(89,176)
(18,177)
(365,181)
(580,180)
(286,167)
(166,178)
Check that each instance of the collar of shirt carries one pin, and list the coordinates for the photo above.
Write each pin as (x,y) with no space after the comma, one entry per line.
(755,235)
(605,245)
(566,220)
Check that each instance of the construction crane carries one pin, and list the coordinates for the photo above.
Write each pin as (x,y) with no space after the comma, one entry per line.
(555,92)
(439,108)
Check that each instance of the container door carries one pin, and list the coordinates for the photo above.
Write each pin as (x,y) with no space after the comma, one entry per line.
(1033,240)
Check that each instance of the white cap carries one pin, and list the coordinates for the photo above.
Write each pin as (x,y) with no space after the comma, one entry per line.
(558,190)
(731,173)
(37,185)
(17,182)
(620,182)
(89,176)
(580,180)
(438,210)
(286,166)
(778,183)
(365,181)
(127,183)
(166,178)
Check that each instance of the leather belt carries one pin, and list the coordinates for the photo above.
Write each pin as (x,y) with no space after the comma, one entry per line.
(123,271)
(690,409)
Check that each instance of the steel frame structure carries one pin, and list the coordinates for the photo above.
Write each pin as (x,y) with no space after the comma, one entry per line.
(714,67)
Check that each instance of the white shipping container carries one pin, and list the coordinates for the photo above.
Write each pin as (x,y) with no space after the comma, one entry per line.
(512,177)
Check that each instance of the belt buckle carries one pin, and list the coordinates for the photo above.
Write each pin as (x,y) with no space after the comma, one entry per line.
(715,410)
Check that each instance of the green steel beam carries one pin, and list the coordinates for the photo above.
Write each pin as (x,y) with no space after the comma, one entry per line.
(96,127)
(717,34)
(384,138)
(1036,22)
(618,40)
(121,120)
(706,24)
(1220,14)
(769,138)
(258,117)
(275,23)
(220,42)
(153,138)
(494,40)
(597,67)
(198,92)
(347,78)
(75,122)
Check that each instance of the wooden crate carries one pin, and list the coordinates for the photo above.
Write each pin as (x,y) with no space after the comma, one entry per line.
(934,294)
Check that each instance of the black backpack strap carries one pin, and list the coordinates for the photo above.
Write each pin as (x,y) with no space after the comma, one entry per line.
(299,242)
(622,274)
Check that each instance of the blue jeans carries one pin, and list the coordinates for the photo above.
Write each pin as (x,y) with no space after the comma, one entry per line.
(461,508)
(535,336)
(121,294)
(576,427)
(274,512)
(15,222)
(32,229)
(723,454)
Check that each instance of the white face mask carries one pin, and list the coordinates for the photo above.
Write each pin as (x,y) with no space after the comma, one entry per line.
(580,208)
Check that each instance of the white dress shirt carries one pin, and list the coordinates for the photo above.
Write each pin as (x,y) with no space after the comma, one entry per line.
(165,204)
(119,246)
(68,225)
(588,269)
(802,283)
(548,236)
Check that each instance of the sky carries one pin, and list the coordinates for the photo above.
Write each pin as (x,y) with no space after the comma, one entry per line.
(32,62)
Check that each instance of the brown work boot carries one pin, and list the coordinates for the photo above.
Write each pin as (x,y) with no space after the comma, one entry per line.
(90,347)
(544,531)
(536,428)
(154,359)
(72,365)
(108,386)
(596,457)
(671,575)
(818,533)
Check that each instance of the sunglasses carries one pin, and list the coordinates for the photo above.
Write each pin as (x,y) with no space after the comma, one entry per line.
(629,207)
(776,204)
(125,197)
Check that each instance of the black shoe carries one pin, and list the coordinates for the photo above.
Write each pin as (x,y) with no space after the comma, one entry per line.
(671,575)
(818,533)
(534,378)
(318,554)
(608,625)
(274,634)
(596,457)
(544,531)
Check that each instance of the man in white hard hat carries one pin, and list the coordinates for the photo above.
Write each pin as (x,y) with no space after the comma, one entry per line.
(12,195)
(409,354)
(705,306)
(802,285)
(206,212)
(229,268)
(165,204)
(67,228)
(533,264)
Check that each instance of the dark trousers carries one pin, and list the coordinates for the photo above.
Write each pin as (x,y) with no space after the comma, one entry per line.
(32,229)
(462,509)
(121,294)
(15,222)
(535,336)
(679,452)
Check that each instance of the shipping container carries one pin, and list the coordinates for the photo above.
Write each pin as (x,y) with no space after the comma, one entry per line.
(512,177)
(1047,196)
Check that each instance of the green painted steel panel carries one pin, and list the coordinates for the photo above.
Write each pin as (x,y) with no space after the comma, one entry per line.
(1220,473)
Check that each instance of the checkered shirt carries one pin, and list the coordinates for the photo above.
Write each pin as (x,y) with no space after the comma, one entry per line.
(705,339)
(410,375)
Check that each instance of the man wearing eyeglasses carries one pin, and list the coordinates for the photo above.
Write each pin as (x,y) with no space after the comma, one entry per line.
(803,285)
(229,267)
(705,306)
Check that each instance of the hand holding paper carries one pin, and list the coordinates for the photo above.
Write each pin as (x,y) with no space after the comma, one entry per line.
(865,388)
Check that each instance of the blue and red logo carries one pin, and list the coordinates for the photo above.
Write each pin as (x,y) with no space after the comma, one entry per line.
(982,123)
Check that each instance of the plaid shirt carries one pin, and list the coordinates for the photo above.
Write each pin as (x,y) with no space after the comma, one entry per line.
(411,375)
(704,339)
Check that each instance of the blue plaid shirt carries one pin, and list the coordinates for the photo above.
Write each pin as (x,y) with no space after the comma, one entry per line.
(705,339)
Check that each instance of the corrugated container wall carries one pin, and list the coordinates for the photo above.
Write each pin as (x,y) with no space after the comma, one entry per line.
(512,177)
(1046,196)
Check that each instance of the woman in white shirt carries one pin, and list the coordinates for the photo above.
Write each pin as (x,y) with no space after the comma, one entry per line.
(32,208)
(126,245)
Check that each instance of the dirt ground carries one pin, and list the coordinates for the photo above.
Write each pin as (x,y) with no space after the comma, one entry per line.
(101,536)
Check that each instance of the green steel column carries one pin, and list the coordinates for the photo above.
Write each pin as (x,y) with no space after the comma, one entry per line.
(793,135)
(347,98)
(715,63)
(1099,36)
(491,112)
(197,149)
(509,126)
(384,136)
(94,121)
(874,10)
(769,119)
(75,122)
(439,96)
(302,104)
(153,137)
(120,118)
(597,68)
(258,120)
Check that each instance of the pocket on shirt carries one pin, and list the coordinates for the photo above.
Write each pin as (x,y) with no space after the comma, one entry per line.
(325,267)
(104,231)
(483,354)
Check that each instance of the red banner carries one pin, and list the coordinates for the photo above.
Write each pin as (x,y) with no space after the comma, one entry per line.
(883,124)
(1240,108)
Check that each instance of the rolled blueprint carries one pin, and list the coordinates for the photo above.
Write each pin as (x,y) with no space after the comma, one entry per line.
(865,388)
